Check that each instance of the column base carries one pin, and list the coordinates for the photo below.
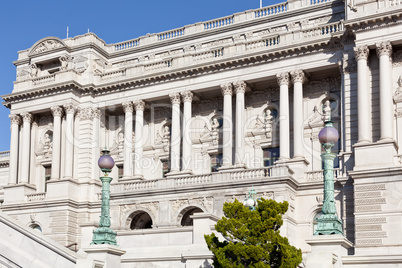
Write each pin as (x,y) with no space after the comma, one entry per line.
(328,225)
(298,165)
(380,154)
(187,172)
(108,254)
(138,177)
(327,251)
(240,165)
(17,193)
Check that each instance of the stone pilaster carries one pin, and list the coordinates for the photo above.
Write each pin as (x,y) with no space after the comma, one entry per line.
(175,134)
(128,141)
(363,98)
(227,90)
(69,109)
(13,168)
(26,145)
(57,113)
(284,137)
(139,106)
(187,111)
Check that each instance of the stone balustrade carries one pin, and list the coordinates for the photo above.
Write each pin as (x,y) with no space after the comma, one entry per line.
(4,155)
(211,179)
(35,197)
(318,175)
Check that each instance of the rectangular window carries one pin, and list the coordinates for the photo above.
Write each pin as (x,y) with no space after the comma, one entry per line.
(120,170)
(165,167)
(270,156)
(216,162)
(48,173)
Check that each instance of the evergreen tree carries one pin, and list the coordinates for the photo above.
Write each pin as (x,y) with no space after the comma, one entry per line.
(252,237)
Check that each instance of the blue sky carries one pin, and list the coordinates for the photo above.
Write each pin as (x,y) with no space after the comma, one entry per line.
(25,22)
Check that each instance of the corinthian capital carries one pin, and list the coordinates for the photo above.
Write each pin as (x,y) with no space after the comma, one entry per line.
(227,89)
(15,119)
(175,98)
(128,107)
(361,52)
(69,108)
(283,79)
(27,117)
(240,86)
(187,96)
(139,105)
(56,111)
(297,76)
(384,48)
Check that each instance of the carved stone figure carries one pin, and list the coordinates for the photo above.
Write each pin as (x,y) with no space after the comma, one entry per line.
(120,146)
(327,110)
(34,70)
(64,63)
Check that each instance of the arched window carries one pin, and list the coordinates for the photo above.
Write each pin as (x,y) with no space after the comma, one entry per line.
(186,220)
(141,220)
(315,223)
(36,227)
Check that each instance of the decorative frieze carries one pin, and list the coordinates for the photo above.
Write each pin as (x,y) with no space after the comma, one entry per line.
(370,201)
(374,187)
(46,45)
(205,202)
(367,194)
(363,228)
(371,220)
(368,208)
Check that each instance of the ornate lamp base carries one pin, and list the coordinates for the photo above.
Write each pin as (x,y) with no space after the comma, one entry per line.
(328,225)
(104,235)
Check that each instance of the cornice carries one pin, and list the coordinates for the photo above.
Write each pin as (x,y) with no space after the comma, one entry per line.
(232,27)
(384,19)
(366,173)
(283,181)
(332,43)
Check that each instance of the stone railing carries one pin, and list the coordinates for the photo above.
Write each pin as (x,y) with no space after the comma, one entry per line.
(213,24)
(318,175)
(112,74)
(216,177)
(4,154)
(44,79)
(270,10)
(327,29)
(35,197)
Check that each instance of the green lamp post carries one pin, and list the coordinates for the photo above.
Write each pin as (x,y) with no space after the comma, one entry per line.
(104,234)
(251,200)
(328,223)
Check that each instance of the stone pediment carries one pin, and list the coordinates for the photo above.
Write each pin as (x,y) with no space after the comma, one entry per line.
(46,44)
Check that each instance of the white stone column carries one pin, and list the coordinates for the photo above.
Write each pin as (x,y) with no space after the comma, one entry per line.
(384,52)
(227,125)
(128,140)
(187,111)
(57,113)
(284,148)
(70,110)
(297,80)
(26,145)
(175,134)
(139,106)
(363,96)
(14,147)
(96,142)
(240,89)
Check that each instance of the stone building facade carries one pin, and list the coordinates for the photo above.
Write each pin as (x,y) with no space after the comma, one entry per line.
(197,116)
